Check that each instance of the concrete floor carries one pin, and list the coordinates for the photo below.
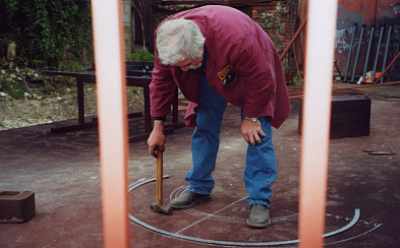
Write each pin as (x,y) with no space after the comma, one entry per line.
(63,171)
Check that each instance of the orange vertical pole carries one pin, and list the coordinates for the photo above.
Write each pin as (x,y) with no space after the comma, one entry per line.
(111,103)
(317,106)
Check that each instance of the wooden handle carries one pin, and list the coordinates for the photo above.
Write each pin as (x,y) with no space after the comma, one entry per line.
(159,178)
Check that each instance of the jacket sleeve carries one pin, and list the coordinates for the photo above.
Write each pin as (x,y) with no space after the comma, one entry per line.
(254,68)
(162,90)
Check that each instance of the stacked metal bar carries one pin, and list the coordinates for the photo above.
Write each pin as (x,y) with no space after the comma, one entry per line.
(369,51)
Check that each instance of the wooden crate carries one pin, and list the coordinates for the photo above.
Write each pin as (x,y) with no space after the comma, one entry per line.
(350,116)
(16,207)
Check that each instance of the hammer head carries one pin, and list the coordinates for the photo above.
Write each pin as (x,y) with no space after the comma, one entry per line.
(167,210)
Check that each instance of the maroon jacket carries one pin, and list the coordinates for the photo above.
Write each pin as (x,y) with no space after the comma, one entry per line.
(235,45)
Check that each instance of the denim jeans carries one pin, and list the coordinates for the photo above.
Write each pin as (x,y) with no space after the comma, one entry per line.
(260,170)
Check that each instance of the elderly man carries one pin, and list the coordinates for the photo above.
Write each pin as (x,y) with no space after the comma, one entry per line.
(215,55)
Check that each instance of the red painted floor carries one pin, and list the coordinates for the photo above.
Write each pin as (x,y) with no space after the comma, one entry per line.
(63,171)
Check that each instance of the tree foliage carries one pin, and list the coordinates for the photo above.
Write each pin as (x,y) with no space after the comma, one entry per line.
(54,31)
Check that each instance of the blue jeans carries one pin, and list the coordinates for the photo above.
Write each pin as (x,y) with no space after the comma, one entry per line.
(260,171)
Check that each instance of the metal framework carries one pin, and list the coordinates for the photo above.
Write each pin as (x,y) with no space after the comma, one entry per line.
(222,2)
(150,12)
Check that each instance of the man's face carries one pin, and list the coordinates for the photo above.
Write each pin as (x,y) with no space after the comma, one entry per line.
(189,64)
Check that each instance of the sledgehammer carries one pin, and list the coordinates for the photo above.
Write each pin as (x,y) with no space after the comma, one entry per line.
(158,205)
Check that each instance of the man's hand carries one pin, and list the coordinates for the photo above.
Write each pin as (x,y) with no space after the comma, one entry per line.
(156,140)
(251,131)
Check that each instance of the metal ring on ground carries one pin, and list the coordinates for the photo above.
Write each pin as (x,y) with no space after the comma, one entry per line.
(224,218)
(223,243)
(376,227)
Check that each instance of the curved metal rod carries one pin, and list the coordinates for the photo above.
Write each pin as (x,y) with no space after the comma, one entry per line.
(376,227)
(223,243)
(142,181)
(356,218)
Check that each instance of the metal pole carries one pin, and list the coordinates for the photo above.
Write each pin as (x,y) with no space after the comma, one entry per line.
(147,117)
(80,90)
(348,62)
(391,63)
(294,38)
(385,55)
(360,39)
(112,104)
(378,48)
(317,105)
(371,38)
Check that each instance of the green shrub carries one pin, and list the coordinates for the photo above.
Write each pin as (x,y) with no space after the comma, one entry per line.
(48,31)
(274,22)
(19,81)
(140,55)
(13,80)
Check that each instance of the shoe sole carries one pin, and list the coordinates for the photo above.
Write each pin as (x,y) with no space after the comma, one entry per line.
(182,207)
(258,225)
(192,204)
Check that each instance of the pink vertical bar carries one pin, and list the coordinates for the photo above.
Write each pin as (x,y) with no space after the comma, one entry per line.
(317,106)
(111,104)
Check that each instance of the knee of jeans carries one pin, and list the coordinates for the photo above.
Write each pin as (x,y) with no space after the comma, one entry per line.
(209,125)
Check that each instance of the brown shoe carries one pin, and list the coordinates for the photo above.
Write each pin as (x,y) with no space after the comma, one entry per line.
(188,199)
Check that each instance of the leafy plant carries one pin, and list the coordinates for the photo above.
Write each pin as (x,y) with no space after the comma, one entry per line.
(47,30)
(17,81)
(274,22)
(13,80)
(140,55)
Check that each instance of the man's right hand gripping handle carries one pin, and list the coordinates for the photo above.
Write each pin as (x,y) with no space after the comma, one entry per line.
(156,140)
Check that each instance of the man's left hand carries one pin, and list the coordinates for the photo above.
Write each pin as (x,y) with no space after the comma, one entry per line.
(251,131)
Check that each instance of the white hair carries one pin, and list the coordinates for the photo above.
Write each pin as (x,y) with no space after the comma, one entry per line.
(179,39)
